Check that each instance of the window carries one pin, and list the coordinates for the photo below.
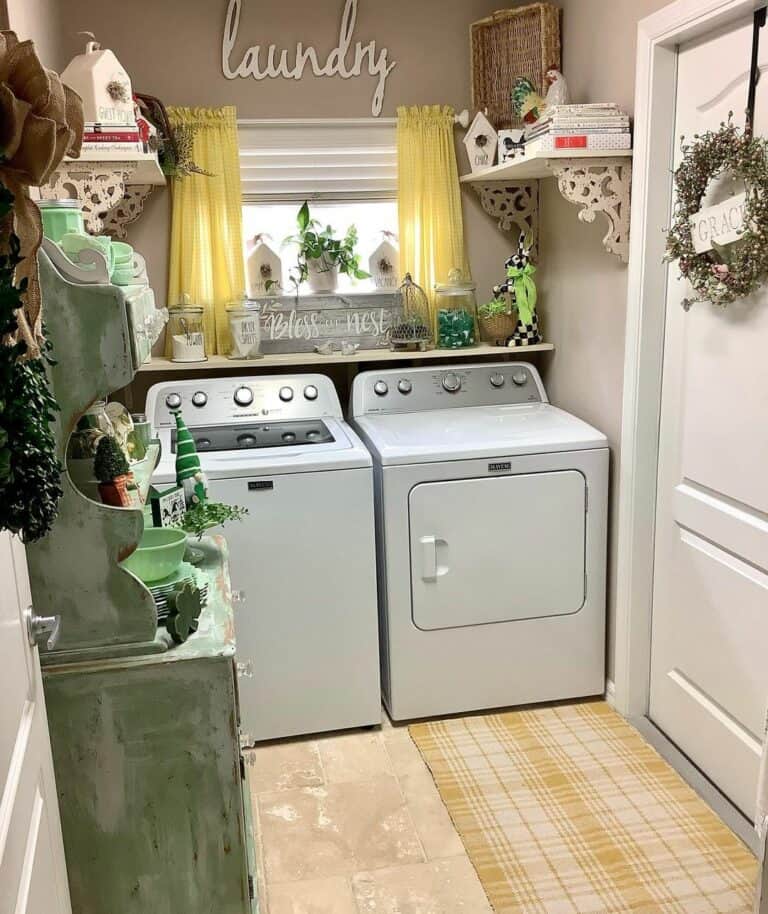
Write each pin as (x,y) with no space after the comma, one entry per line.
(347,170)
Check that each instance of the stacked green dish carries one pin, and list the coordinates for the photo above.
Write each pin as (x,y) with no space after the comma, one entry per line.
(158,555)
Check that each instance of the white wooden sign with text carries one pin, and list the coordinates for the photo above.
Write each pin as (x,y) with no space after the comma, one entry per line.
(345,60)
(722,223)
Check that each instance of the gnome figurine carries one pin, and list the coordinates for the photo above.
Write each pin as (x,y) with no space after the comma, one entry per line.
(189,473)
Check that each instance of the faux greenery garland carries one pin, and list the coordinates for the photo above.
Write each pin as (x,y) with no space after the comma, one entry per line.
(30,473)
(724,275)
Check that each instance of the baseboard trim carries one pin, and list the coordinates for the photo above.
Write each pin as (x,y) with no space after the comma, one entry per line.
(610,693)
(738,823)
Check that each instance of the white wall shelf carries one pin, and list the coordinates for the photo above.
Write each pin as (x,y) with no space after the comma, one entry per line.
(111,186)
(298,359)
(598,181)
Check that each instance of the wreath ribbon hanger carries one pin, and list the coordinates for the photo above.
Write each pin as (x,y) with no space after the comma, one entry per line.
(758,22)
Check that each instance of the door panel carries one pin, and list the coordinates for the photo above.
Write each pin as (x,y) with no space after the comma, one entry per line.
(32,869)
(709,679)
(497,549)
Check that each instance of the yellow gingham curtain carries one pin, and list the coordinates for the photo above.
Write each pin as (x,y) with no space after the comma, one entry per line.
(428,196)
(206,258)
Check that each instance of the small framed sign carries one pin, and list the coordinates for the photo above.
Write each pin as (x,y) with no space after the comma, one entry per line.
(168,506)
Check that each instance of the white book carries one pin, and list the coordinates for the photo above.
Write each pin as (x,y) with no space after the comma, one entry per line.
(578,142)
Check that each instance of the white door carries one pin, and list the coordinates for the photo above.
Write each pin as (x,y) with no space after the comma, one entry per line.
(33,877)
(709,667)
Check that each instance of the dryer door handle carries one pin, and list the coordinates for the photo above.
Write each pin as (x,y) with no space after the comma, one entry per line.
(428,558)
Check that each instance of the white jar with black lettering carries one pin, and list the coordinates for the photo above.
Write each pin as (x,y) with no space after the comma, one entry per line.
(244,319)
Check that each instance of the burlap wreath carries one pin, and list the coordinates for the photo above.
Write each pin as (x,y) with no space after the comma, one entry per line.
(41,121)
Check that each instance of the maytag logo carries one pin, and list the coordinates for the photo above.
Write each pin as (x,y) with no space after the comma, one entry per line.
(260,485)
(503,466)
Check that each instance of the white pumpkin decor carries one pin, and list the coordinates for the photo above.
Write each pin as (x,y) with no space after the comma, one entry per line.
(481,141)
(263,266)
(384,263)
(103,84)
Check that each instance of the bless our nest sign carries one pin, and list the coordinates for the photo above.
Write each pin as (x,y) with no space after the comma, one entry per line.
(348,59)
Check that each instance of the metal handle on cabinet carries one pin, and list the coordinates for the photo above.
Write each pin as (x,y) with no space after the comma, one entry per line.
(238,596)
(40,626)
(428,558)
(244,670)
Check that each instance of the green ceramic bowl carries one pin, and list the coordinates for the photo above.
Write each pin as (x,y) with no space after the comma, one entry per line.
(158,554)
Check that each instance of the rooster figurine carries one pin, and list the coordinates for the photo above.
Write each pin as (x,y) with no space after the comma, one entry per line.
(528,105)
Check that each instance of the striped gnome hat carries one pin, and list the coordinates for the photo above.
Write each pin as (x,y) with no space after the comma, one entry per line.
(187,461)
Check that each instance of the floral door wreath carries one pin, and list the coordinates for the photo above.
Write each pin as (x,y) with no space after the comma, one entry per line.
(732,271)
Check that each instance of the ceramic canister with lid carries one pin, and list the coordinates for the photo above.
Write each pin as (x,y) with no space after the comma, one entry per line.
(456,310)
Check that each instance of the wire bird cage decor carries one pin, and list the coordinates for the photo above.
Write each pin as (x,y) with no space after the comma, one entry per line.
(414,330)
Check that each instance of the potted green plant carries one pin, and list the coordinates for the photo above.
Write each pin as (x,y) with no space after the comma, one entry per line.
(111,470)
(322,256)
(497,321)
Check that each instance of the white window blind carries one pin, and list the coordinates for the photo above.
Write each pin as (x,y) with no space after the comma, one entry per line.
(317,159)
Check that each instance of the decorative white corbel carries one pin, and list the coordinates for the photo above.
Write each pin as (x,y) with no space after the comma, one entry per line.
(128,210)
(599,186)
(99,186)
(515,206)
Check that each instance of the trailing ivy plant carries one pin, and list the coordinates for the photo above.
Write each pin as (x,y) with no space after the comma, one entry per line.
(207,514)
(30,473)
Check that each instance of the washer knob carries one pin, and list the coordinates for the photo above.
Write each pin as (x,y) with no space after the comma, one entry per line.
(310,392)
(451,382)
(286,394)
(497,379)
(381,388)
(173,401)
(199,398)
(520,377)
(404,386)
(243,396)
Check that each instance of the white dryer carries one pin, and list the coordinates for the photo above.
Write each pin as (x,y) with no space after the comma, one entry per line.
(491,534)
(303,559)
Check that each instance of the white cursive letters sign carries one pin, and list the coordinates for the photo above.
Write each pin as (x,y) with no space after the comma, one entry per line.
(345,60)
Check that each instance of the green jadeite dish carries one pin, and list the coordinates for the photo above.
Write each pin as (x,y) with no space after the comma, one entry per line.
(158,555)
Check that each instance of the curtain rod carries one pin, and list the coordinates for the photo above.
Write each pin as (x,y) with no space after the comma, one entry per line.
(461,119)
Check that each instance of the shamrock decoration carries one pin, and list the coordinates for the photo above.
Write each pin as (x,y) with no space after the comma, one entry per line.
(185,605)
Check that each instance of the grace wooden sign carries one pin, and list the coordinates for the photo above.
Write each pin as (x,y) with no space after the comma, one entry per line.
(719,224)
(345,60)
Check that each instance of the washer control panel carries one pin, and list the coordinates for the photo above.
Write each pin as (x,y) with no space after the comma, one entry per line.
(417,389)
(214,401)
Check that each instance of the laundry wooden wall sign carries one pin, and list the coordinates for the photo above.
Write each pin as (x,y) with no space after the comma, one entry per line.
(323,322)
(346,60)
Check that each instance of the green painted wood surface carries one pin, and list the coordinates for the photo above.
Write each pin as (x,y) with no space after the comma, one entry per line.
(147,762)
(74,571)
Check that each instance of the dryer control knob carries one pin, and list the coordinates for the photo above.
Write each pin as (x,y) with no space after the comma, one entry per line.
(173,401)
(451,382)
(381,388)
(497,379)
(520,377)
(199,398)
(286,394)
(404,386)
(310,392)
(243,396)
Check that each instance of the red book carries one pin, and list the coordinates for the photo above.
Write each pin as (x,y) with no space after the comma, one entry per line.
(571,142)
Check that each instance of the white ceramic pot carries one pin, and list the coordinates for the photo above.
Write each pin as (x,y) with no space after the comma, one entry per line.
(322,276)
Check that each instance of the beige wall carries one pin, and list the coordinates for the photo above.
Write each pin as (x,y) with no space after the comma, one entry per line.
(172,50)
(39,20)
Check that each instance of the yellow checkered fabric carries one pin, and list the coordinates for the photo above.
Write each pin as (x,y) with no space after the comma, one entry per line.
(567,810)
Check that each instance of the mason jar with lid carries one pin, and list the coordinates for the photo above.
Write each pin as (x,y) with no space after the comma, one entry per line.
(61,217)
(187,334)
(244,329)
(456,312)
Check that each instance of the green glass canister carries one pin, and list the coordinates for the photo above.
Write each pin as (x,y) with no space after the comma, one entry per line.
(60,217)
(456,310)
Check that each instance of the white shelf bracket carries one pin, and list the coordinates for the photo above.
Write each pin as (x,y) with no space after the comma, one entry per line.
(515,206)
(599,186)
(127,210)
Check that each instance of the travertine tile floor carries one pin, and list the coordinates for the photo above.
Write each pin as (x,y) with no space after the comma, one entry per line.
(353,824)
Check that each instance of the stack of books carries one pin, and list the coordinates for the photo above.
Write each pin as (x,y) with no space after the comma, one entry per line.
(562,127)
(100,138)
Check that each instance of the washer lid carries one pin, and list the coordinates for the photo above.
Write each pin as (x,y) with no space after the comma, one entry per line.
(475,432)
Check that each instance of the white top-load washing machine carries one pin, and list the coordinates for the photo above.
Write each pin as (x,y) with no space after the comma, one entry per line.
(304,557)
(491,527)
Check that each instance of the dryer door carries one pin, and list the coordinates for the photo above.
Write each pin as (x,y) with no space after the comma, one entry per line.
(497,549)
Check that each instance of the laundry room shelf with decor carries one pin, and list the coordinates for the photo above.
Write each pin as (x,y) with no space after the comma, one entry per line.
(289,359)
(595,181)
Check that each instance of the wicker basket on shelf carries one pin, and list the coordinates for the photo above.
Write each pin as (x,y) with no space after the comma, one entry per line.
(498,328)
(506,45)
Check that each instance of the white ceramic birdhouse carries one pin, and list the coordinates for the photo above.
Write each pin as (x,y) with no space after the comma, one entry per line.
(265,268)
(481,141)
(384,264)
(103,84)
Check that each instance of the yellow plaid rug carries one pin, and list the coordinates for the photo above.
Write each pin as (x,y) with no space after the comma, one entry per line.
(567,810)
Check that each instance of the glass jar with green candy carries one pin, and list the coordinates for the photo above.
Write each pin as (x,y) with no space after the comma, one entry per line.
(456,310)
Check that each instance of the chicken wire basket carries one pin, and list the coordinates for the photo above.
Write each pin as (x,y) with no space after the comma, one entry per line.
(413,331)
